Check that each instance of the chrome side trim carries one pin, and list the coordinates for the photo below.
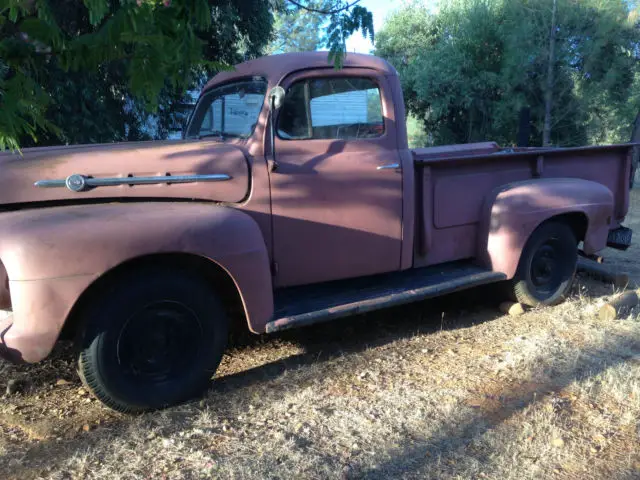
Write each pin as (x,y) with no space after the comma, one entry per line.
(391,166)
(50,183)
(80,183)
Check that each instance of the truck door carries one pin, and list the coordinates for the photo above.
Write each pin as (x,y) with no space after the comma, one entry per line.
(337,189)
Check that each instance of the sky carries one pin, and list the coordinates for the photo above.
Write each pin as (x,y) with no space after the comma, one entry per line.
(380,10)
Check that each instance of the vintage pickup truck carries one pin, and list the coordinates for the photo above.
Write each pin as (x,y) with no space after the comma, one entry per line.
(293,198)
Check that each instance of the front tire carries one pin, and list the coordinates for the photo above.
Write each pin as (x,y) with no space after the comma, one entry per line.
(154,339)
(547,265)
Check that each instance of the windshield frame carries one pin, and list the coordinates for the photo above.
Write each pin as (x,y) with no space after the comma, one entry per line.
(198,112)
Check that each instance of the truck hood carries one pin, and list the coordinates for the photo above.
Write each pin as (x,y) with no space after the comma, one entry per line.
(210,170)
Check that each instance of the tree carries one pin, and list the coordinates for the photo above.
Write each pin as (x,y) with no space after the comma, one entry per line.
(587,51)
(296,29)
(402,41)
(548,91)
(479,63)
(450,72)
(93,70)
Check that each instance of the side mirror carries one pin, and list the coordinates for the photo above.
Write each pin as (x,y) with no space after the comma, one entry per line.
(276,97)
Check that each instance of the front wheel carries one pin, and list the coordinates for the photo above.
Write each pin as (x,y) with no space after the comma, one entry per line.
(547,265)
(154,339)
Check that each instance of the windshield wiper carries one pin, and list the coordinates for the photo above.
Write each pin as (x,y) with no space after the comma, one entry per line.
(218,133)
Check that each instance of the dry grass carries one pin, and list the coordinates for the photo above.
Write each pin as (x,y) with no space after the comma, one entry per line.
(426,391)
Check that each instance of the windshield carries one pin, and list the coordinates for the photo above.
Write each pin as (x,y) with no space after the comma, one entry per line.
(229,110)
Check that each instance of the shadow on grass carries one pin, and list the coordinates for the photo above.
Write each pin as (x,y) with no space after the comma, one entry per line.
(343,338)
(412,457)
(326,341)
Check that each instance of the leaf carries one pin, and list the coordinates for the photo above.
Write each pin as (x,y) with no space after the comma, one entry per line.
(41,30)
(97,10)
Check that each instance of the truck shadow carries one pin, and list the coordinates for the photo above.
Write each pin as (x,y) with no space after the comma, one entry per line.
(320,344)
(325,341)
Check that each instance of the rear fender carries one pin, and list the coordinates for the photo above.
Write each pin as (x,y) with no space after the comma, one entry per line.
(53,255)
(513,211)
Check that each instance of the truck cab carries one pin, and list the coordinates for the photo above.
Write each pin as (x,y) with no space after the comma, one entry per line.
(335,159)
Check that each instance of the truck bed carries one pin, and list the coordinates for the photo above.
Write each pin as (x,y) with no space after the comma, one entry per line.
(460,177)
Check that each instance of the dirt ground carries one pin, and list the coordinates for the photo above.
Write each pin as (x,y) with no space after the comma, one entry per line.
(450,388)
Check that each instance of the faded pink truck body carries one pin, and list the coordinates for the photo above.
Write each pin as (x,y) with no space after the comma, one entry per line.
(328,212)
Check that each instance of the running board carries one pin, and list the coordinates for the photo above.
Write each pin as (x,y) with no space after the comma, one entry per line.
(301,306)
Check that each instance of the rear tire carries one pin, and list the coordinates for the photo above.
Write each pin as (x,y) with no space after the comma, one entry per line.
(547,265)
(154,339)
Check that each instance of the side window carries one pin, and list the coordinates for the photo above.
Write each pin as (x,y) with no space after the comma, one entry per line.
(332,108)
(294,121)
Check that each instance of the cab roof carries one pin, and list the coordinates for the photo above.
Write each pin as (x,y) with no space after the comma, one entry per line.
(275,67)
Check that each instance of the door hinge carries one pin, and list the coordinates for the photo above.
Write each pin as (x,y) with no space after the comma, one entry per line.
(274,268)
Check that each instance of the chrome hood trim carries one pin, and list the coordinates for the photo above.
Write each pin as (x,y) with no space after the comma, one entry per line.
(81,183)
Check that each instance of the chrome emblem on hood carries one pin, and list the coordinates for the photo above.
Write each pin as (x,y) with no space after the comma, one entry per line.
(80,183)
(76,183)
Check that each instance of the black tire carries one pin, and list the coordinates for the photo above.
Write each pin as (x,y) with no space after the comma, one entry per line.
(153,339)
(547,265)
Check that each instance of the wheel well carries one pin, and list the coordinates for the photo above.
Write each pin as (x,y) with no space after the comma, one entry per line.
(578,222)
(213,273)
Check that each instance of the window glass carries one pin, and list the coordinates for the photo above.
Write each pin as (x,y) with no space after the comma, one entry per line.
(229,110)
(293,121)
(332,108)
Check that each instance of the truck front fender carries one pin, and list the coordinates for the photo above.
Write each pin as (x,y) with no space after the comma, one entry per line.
(53,255)
(513,211)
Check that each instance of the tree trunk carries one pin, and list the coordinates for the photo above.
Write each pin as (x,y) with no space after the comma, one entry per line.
(548,93)
(524,127)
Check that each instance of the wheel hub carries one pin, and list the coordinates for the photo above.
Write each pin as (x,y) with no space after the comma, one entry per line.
(545,266)
(159,341)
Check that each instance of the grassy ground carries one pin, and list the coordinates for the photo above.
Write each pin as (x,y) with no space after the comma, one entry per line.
(445,389)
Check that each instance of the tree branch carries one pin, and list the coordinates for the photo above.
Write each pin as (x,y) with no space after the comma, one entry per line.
(324,12)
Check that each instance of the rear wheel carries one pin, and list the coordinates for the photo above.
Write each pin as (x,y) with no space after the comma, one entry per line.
(154,339)
(547,265)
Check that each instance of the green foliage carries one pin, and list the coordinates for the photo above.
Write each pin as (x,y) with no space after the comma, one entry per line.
(298,30)
(95,70)
(342,25)
(24,98)
(374,106)
(406,33)
(416,134)
(469,69)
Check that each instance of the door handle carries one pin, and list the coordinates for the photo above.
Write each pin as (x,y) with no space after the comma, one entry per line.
(391,166)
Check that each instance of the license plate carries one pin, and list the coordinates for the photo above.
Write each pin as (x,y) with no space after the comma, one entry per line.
(620,238)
